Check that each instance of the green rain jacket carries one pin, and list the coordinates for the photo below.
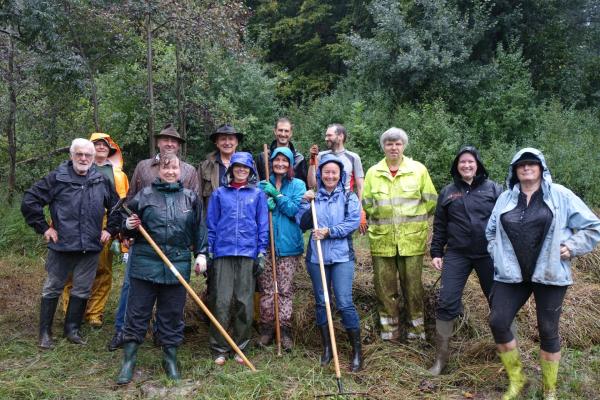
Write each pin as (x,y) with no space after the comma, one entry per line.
(397,208)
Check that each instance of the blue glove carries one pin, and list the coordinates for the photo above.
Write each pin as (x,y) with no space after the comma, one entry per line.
(268,188)
(271,203)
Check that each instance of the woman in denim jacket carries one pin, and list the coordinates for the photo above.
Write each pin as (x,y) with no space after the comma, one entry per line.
(338,216)
(535,229)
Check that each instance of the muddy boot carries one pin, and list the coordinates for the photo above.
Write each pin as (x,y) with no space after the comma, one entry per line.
(287,343)
(73,319)
(549,377)
(442,339)
(326,341)
(116,342)
(170,362)
(129,358)
(356,363)
(514,369)
(266,334)
(47,310)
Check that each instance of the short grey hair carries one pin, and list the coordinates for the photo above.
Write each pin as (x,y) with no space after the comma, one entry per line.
(393,135)
(82,143)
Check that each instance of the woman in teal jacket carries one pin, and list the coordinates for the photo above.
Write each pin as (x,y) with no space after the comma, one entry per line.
(285,194)
(535,229)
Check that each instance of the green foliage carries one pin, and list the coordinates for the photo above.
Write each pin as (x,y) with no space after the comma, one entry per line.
(15,236)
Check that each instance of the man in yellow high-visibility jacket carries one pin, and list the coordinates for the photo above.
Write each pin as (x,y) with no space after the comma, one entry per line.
(398,197)
(108,161)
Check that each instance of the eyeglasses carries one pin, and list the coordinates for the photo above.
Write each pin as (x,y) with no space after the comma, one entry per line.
(83,155)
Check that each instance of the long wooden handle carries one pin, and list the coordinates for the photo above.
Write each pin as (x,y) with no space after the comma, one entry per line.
(336,362)
(273,259)
(195,297)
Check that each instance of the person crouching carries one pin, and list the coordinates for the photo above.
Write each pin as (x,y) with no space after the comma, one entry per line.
(238,234)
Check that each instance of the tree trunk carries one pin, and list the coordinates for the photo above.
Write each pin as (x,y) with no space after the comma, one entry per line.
(94,100)
(151,143)
(180,96)
(11,120)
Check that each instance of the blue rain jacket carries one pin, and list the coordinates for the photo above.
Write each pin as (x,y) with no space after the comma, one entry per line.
(340,212)
(573,225)
(238,219)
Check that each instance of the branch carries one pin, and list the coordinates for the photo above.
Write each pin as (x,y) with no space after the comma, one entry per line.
(41,157)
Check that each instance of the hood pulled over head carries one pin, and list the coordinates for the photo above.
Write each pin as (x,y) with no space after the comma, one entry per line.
(330,158)
(244,158)
(481,171)
(527,154)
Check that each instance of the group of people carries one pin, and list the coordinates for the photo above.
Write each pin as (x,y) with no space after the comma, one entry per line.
(216,219)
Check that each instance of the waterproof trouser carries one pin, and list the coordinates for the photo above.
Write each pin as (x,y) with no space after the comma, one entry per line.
(456,271)
(398,286)
(231,299)
(100,288)
(60,265)
(169,299)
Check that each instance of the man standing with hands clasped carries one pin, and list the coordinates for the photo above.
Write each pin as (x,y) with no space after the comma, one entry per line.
(77,195)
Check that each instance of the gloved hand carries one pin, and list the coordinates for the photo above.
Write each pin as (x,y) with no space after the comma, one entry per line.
(259,265)
(200,264)
(132,222)
(268,188)
(271,203)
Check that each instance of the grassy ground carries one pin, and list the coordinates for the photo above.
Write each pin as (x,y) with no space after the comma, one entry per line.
(393,371)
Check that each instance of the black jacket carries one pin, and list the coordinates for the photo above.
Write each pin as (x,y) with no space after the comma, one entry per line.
(463,211)
(77,206)
(300,167)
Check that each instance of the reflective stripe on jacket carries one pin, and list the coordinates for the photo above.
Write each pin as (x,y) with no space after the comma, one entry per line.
(397,208)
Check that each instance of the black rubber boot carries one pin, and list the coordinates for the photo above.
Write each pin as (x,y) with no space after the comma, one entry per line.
(287,343)
(356,364)
(170,362)
(442,340)
(129,358)
(47,310)
(116,342)
(266,334)
(74,318)
(327,355)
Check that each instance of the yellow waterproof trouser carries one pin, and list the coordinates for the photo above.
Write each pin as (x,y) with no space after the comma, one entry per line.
(100,289)
(398,286)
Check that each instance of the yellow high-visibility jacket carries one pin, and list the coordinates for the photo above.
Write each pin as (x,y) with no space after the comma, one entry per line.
(397,208)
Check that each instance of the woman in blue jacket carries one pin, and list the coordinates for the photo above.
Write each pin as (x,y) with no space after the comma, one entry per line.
(338,216)
(535,229)
(285,194)
(238,233)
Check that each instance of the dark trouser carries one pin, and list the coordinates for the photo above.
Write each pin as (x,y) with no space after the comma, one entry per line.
(508,298)
(231,299)
(456,271)
(170,300)
(59,265)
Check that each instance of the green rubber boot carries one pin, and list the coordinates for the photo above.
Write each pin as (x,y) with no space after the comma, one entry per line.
(170,363)
(514,369)
(129,358)
(549,377)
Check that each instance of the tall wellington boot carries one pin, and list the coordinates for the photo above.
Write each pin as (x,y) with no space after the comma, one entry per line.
(74,318)
(356,363)
(327,355)
(47,310)
(549,378)
(170,362)
(129,358)
(442,340)
(514,369)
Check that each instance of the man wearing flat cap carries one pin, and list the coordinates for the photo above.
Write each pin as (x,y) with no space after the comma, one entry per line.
(168,142)
(211,171)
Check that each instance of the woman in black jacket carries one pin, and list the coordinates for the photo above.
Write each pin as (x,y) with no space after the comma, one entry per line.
(461,216)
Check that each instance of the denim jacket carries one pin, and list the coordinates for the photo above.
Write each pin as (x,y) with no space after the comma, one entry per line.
(573,225)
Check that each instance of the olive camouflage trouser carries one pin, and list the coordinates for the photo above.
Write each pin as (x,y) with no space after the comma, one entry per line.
(393,297)
(231,300)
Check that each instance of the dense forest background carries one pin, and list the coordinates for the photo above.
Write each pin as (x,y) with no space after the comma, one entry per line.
(495,74)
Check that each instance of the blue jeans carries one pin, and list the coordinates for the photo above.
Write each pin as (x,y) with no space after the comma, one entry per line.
(340,277)
(122,307)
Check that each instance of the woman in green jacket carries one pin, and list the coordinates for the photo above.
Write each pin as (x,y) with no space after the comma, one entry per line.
(172,217)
